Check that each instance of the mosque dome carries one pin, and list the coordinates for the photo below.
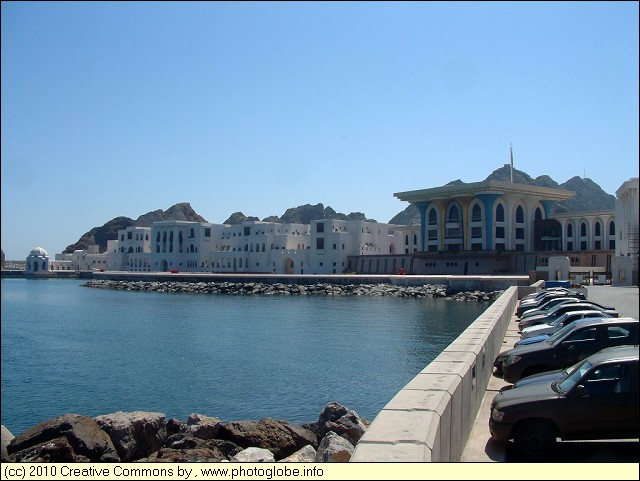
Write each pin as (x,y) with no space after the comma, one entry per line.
(39,252)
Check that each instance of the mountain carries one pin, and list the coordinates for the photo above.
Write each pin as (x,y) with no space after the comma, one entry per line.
(181,211)
(303,214)
(589,196)
(109,231)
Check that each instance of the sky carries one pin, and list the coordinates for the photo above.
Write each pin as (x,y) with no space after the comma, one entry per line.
(121,108)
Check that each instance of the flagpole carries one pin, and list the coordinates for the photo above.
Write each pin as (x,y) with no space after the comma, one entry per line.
(511,152)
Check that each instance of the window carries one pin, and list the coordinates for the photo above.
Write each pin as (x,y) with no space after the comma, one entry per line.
(476,232)
(454,214)
(207,231)
(500,213)
(519,233)
(584,335)
(129,235)
(320,227)
(583,229)
(569,230)
(612,228)
(538,214)
(499,232)
(433,217)
(320,243)
(247,231)
(476,215)
(520,215)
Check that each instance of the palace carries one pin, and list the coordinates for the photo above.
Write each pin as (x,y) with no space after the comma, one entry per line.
(482,228)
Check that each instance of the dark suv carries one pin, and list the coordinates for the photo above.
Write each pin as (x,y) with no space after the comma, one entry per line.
(567,346)
(595,399)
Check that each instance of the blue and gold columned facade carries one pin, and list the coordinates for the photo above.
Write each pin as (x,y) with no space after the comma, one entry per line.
(481,216)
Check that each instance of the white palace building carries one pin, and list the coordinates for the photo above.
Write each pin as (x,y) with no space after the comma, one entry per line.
(483,228)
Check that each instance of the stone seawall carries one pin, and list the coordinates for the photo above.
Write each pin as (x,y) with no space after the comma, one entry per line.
(431,418)
(324,289)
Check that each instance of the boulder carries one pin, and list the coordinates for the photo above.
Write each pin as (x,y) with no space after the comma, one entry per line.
(342,421)
(203,427)
(253,455)
(134,434)
(5,439)
(198,450)
(334,449)
(304,455)
(279,437)
(82,433)
(55,451)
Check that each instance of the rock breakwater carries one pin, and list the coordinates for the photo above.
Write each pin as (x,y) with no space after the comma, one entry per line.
(323,289)
(148,437)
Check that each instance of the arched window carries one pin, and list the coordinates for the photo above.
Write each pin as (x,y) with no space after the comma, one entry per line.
(598,229)
(433,217)
(519,215)
(569,230)
(406,239)
(612,228)
(180,241)
(453,214)
(499,213)
(476,214)
(192,233)
(171,241)
(538,214)
(415,239)
(583,229)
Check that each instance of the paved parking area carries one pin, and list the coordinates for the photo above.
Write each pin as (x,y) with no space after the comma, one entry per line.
(481,448)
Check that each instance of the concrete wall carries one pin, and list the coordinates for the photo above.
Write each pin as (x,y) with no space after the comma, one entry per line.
(430,419)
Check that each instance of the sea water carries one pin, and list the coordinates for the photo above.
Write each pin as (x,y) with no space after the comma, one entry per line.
(72,349)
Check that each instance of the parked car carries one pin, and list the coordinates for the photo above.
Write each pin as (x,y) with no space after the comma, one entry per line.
(526,304)
(561,321)
(564,308)
(541,292)
(547,305)
(531,340)
(567,346)
(594,399)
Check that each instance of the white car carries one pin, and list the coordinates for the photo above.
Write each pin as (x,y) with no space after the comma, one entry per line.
(560,322)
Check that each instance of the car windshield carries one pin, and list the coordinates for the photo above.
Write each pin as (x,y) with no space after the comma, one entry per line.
(566,384)
(560,319)
(561,333)
(557,307)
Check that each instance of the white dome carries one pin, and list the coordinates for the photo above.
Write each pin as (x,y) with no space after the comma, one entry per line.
(39,252)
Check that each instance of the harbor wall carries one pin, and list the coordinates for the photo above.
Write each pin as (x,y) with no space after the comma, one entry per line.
(431,418)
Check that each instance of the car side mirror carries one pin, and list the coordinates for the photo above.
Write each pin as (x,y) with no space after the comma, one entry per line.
(580,391)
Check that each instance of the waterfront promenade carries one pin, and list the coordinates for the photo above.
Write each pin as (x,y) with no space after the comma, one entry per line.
(481,448)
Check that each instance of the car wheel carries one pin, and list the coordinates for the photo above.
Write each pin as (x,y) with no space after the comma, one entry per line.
(534,438)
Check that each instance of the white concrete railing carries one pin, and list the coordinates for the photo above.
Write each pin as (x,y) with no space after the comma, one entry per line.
(430,419)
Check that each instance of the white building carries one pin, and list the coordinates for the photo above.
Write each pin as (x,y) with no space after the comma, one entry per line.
(625,263)
(321,247)
(38,261)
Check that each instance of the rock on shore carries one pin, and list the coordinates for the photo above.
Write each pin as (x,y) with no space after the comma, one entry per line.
(323,289)
(148,437)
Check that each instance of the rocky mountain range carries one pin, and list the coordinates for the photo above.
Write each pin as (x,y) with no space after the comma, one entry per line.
(589,197)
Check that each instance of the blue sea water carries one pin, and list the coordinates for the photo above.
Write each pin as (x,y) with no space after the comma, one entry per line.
(72,349)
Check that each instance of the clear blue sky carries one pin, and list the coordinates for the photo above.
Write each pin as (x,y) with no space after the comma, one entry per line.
(118,109)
